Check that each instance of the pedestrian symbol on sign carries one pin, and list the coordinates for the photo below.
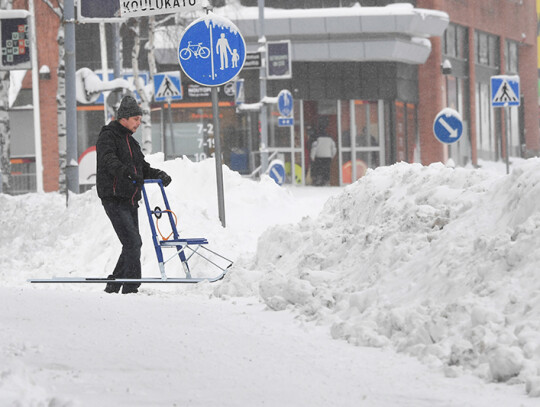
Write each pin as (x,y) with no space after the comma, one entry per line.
(167,89)
(505,90)
(505,94)
(218,48)
(167,86)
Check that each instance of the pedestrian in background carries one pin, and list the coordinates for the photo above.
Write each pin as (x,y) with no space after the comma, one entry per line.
(323,150)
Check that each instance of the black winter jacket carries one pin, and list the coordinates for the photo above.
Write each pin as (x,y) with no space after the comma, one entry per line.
(118,155)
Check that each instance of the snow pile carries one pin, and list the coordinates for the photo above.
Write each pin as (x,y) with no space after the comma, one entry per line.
(437,262)
(40,237)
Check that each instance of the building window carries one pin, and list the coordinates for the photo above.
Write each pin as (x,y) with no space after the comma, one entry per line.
(455,42)
(486,49)
(511,57)
(450,41)
(487,135)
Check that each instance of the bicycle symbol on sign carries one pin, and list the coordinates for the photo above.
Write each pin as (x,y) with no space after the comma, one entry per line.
(196,50)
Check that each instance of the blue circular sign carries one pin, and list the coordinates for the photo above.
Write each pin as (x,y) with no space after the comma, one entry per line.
(276,171)
(285,103)
(211,51)
(448,126)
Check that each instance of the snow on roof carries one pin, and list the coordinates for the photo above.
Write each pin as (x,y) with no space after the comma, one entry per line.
(14,13)
(248,13)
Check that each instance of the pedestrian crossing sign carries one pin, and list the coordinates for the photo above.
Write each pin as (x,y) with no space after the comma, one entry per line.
(167,87)
(505,91)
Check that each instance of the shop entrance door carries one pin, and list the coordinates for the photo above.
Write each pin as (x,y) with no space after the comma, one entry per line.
(361,138)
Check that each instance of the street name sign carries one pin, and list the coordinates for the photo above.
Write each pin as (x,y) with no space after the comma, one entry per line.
(212,51)
(448,126)
(253,60)
(142,8)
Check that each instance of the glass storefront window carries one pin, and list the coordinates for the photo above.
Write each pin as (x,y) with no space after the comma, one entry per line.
(360,123)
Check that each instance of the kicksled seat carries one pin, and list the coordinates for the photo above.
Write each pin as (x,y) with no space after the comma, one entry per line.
(184,250)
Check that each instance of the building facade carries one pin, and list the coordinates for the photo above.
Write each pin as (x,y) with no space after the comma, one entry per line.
(368,76)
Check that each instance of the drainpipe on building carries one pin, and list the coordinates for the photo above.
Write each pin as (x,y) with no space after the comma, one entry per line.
(35,98)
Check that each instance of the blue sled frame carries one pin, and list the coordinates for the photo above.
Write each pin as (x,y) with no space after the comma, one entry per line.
(185,248)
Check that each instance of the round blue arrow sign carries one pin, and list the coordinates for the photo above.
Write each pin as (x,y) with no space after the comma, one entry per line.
(212,51)
(285,103)
(448,126)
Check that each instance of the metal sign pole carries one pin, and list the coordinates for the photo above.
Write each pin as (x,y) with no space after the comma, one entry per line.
(507,138)
(217,153)
(171,132)
(72,167)
(263,114)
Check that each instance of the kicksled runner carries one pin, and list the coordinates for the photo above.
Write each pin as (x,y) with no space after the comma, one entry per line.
(184,250)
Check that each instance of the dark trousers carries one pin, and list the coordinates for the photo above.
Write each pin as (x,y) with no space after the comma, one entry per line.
(125,221)
(320,171)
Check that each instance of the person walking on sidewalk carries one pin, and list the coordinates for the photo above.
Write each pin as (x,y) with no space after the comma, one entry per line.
(121,171)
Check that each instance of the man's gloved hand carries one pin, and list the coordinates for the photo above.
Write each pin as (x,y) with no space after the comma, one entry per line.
(164,177)
(135,178)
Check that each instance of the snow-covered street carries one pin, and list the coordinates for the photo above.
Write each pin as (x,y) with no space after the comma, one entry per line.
(416,286)
(69,348)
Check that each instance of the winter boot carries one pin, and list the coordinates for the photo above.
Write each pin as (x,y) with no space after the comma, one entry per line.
(112,287)
(129,289)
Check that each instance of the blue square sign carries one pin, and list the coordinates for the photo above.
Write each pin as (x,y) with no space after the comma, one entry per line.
(505,91)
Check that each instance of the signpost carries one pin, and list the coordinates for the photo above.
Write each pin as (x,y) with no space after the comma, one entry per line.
(212,52)
(253,60)
(276,171)
(167,87)
(505,93)
(279,63)
(285,107)
(239,93)
(448,126)
(15,42)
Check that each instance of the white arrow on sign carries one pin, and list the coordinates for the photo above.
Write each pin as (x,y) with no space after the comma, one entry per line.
(453,132)
(278,176)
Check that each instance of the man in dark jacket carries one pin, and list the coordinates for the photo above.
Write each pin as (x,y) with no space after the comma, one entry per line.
(121,170)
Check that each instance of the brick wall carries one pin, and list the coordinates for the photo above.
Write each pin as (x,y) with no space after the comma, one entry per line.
(47,30)
(508,19)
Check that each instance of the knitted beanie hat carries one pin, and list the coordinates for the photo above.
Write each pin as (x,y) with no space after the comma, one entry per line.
(128,108)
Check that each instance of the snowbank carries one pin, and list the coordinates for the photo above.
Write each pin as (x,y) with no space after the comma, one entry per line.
(436,262)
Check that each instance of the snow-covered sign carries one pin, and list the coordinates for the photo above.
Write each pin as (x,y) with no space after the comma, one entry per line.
(141,8)
(167,86)
(448,126)
(212,51)
(14,40)
(505,90)
(89,85)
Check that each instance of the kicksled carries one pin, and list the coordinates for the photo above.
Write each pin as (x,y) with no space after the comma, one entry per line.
(183,251)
